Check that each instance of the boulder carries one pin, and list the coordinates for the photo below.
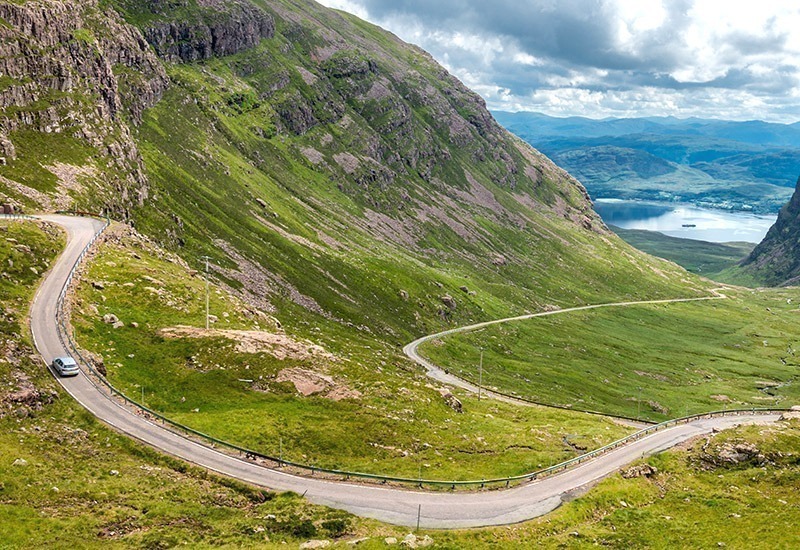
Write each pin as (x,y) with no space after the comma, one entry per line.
(110,318)
(739,453)
(639,470)
(449,301)
(792,414)
(313,544)
(451,400)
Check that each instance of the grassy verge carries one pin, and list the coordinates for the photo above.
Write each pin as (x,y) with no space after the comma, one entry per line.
(653,361)
(697,499)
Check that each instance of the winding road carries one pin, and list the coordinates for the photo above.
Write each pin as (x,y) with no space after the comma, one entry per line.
(439,374)
(392,505)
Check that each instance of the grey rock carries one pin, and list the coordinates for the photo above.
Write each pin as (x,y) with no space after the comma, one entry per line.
(451,400)
(640,470)
(235,27)
(449,301)
(314,544)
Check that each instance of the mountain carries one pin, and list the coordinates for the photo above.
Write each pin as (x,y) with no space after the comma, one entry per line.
(753,132)
(329,170)
(349,195)
(776,259)
(742,165)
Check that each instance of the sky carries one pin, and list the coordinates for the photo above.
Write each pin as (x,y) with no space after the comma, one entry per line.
(732,60)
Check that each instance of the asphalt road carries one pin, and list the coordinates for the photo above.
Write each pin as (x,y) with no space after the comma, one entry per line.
(397,506)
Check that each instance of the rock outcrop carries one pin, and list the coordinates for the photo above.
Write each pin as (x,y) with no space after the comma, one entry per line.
(215,28)
(792,414)
(639,470)
(451,400)
(80,71)
(776,260)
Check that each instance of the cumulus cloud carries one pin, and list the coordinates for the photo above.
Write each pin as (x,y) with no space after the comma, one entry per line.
(707,58)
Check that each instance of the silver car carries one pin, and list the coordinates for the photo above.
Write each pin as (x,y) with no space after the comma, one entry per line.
(65,366)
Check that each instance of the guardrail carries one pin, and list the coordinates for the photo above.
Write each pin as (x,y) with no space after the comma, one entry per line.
(16,217)
(68,342)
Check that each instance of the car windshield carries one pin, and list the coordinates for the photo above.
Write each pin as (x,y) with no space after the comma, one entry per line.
(68,362)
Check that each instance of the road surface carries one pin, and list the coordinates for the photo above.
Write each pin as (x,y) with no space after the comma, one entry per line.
(392,505)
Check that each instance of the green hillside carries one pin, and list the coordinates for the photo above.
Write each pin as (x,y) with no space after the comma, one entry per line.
(67,480)
(704,258)
(349,195)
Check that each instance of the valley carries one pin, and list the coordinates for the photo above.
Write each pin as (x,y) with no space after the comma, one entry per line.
(740,166)
(295,194)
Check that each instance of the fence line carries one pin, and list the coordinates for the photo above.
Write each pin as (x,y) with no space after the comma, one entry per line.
(66,339)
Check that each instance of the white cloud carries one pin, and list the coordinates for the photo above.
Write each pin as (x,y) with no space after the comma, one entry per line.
(350,6)
(706,58)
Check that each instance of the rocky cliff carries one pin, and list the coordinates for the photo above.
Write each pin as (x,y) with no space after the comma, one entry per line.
(192,30)
(776,260)
(71,69)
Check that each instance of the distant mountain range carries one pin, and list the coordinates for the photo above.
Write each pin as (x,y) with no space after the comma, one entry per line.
(725,164)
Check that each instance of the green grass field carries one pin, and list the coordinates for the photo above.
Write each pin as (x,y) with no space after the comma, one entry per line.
(650,361)
(704,258)
(67,481)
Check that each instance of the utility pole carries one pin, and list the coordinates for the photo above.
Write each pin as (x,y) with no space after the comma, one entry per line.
(639,404)
(207,297)
(480,376)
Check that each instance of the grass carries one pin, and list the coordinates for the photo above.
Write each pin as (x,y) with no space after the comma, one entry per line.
(651,361)
(694,501)
(704,258)
(68,481)
(85,485)
(399,423)
(36,151)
